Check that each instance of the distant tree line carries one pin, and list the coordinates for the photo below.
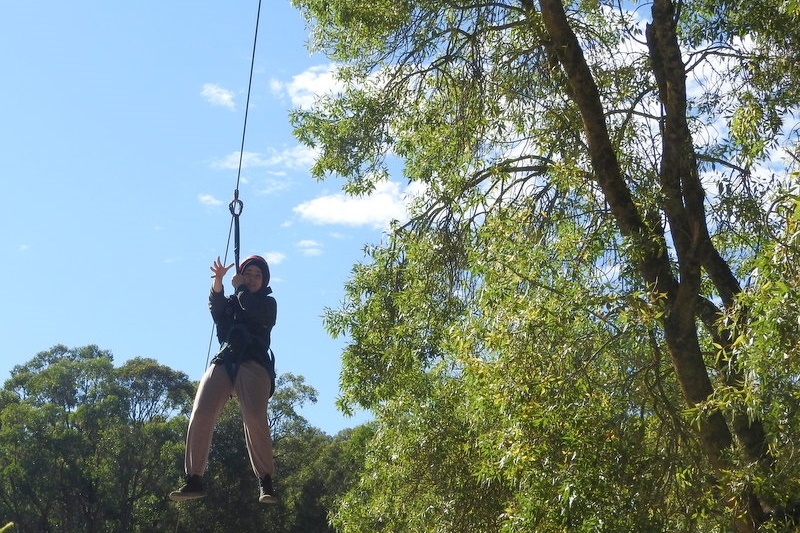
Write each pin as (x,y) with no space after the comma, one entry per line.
(89,447)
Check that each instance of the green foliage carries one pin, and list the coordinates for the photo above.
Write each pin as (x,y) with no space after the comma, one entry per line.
(101,449)
(80,451)
(316,470)
(509,337)
(769,348)
(419,472)
(292,393)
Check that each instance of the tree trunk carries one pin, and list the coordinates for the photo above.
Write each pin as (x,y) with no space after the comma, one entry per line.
(683,206)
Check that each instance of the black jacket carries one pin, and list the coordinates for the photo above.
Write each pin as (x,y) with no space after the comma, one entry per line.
(244,323)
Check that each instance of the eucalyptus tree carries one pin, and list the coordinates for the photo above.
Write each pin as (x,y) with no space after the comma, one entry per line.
(596,280)
(84,445)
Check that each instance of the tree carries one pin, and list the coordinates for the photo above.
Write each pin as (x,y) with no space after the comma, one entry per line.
(317,469)
(83,449)
(591,261)
(87,447)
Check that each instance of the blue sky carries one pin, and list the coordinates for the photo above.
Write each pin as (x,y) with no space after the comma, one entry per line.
(120,126)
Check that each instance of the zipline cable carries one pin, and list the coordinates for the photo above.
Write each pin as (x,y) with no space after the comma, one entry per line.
(236,204)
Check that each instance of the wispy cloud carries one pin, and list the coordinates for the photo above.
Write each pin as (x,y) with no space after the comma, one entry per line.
(272,186)
(249,160)
(217,95)
(274,258)
(309,247)
(295,157)
(298,156)
(305,87)
(208,200)
(386,203)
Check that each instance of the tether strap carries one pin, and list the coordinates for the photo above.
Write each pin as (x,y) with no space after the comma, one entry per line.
(236,207)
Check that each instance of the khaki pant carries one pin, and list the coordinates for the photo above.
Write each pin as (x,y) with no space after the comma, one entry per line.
(251,388)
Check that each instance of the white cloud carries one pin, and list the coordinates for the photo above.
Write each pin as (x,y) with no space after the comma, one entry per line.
(249,160)
(276,86)
(208,200)
(309,247)
(305,87)
(217,95)
(298,156)
(274,258)
(385,204)
(272,186)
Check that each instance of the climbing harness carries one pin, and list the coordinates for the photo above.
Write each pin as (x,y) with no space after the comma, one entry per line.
(232,351)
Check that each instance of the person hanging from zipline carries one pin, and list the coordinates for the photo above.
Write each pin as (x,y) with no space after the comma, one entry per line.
(244,367)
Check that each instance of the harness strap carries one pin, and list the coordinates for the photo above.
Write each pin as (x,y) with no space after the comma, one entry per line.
(233,350)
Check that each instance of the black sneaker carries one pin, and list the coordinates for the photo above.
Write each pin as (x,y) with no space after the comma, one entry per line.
(266,494)
(191,490)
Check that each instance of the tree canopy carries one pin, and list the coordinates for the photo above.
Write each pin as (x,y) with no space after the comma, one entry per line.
(590,315)
(89,447)
(84,446)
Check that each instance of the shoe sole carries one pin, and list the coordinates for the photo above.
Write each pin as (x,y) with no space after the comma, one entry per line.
(268,499)
(184,496)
